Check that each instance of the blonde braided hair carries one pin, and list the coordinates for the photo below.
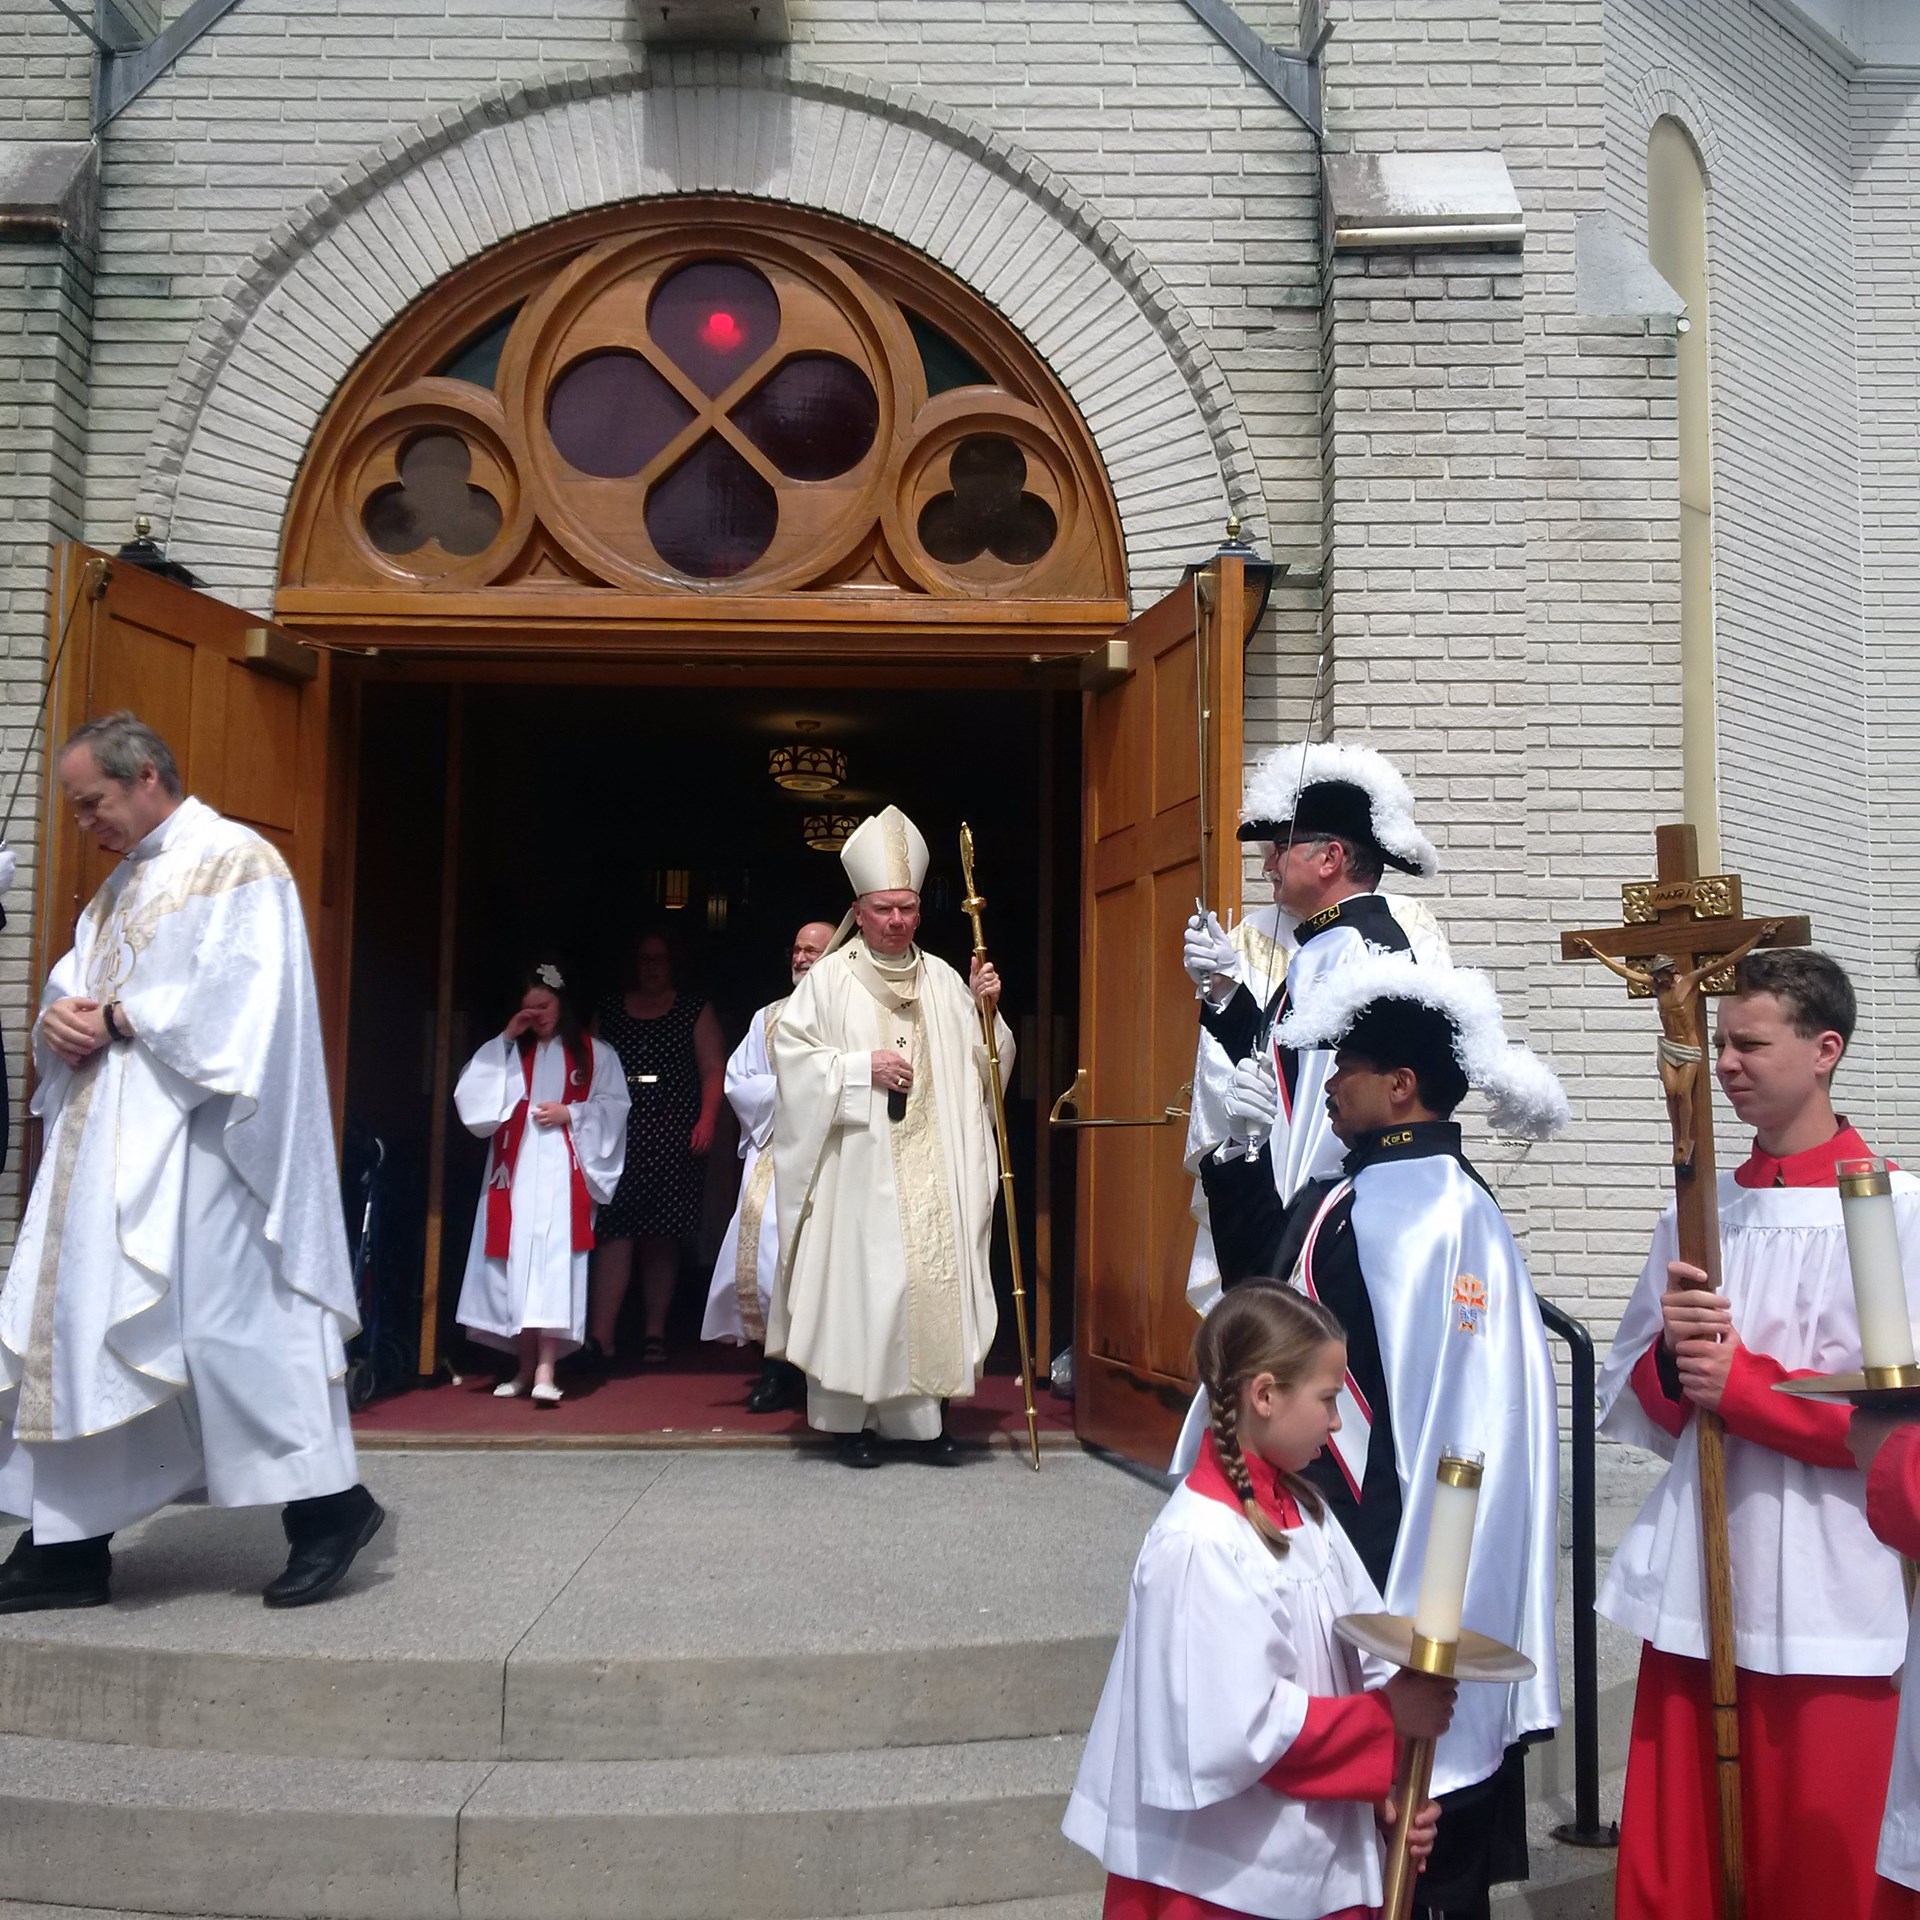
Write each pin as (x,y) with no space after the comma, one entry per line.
(1260,1326)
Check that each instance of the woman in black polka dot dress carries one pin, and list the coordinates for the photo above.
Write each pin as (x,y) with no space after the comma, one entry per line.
(674,1055)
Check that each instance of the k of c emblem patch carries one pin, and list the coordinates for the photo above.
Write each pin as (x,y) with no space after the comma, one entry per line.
(1469,1302)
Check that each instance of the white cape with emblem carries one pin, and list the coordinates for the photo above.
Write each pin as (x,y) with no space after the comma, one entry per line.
(541,1281)
(1424,1229)
(886,1286)
(1224,1646)
(1813,1590)
(187,1207)
(749,1257)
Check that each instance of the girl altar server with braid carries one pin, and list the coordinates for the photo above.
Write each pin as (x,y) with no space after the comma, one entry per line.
(1238,1762)
(555,1102)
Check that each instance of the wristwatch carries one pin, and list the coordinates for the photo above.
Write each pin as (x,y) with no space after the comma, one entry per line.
(115,1031)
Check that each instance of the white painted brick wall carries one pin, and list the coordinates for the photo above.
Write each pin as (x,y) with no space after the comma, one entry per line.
(1789,152)
(1886,159)
(1508,615)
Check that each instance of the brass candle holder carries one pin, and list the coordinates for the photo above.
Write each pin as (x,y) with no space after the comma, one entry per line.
(1474,1656)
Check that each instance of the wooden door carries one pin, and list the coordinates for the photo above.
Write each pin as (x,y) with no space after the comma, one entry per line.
(1162,778)
(242,703)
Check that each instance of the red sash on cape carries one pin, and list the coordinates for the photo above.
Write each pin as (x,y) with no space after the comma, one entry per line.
(506,1156)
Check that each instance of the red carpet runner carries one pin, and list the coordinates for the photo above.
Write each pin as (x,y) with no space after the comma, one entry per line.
(694,1403)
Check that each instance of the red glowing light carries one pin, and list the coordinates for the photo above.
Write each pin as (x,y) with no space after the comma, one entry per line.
(721,331)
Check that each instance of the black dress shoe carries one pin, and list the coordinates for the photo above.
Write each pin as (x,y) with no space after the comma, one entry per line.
(590,1357)
(942,1451)
(859,1449)
(780,1388)
(68,1573)
(324,1534)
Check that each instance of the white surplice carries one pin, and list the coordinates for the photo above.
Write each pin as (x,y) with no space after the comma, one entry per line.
(177,1307)
(1224,1645)
(1813,1590)
(749,1257)
(541,1282)
(886,1287)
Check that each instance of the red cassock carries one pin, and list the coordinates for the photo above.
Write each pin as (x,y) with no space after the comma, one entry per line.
(1815,1749)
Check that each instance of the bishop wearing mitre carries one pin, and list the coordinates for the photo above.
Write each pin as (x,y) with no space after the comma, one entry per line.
(884,1165)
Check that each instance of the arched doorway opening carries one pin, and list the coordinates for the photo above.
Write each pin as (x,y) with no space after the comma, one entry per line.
(615,513)
(601,522)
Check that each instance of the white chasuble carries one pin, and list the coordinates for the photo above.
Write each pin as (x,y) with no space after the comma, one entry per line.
(1224,1645)
(540,1283)
(182,1263)
(885,1226)
(1813,1590)
(749,1257)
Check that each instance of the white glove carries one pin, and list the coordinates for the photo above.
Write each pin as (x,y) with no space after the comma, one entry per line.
(1207,951)
(1253,1097)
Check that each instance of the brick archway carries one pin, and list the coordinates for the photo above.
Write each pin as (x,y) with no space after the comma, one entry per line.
(272,353)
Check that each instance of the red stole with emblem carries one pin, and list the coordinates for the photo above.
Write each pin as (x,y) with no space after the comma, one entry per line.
(506,1155)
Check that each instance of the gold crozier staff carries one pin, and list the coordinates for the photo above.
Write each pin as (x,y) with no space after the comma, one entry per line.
(974,905)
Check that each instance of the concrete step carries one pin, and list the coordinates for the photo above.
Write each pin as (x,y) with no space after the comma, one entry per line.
(612,1607)
(801,1837)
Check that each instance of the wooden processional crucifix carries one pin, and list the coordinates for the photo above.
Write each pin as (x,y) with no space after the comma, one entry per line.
(1682,939)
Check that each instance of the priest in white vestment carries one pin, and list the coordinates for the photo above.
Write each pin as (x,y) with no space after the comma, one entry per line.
(554,1101)
(885,1169)
(175,1316)
(749,1257)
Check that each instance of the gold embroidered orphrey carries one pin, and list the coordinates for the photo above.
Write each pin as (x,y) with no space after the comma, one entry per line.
(927,1239)
(753,1210)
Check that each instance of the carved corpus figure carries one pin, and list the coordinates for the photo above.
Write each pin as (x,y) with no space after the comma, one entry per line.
(1674,994)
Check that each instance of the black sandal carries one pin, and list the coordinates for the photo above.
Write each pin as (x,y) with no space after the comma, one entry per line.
(653,1352)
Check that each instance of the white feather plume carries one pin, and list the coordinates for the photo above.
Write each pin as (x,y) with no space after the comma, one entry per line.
(1273,790)
(1524,1098)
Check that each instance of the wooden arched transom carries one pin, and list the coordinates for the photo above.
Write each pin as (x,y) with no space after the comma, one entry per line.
(701,397)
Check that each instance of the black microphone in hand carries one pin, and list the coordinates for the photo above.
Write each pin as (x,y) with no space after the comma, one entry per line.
(896,1103)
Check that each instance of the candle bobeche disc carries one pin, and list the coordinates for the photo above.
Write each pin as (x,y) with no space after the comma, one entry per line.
(1389,1637)
(1854,1390)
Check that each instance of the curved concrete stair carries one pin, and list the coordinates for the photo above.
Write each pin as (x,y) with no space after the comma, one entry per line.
(705,1685)
(612,1606)
(780,1838)
(663,1686)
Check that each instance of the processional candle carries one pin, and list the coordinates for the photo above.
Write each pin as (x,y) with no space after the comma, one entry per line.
(1443,1574)
(1879,1278)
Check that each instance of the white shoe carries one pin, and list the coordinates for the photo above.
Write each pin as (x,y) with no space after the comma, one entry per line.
(546,1396)
(510,1390)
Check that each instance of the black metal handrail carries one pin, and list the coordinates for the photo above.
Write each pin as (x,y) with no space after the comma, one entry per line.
(1585,1829)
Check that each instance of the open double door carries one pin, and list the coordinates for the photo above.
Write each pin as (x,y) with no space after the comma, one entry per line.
(244,706)
(248,709)
(1162,773)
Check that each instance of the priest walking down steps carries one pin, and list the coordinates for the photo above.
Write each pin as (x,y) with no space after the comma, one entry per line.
(175,1316)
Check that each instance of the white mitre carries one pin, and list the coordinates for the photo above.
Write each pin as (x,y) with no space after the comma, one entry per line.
(886,853)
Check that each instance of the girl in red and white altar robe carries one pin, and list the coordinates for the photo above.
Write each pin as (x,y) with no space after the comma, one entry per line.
(1237,1763)
(555,1103)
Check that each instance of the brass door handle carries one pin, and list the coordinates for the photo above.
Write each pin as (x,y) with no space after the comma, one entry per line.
(1066,1110)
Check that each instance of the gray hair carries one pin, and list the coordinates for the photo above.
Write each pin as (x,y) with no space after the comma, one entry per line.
(123,747)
